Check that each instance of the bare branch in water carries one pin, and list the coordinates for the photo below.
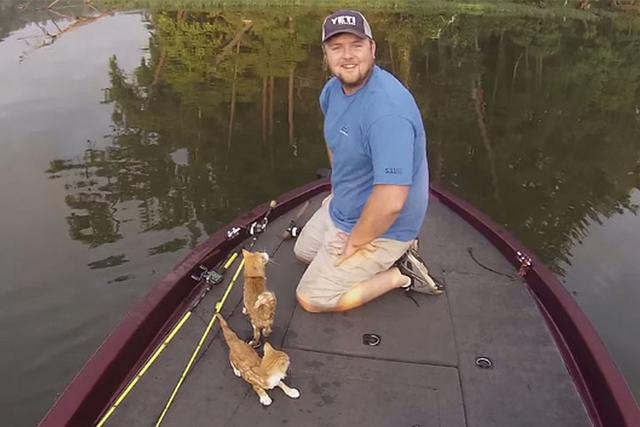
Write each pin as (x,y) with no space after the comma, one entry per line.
(53,3)
(228,49)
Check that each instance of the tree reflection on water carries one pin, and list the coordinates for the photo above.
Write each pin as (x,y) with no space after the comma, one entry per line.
(533,120)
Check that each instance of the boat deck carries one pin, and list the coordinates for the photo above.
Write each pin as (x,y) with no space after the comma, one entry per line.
(423,372)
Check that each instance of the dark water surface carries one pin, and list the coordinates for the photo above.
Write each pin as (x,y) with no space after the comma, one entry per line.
(127,138)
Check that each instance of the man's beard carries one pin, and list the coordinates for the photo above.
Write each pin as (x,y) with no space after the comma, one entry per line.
(354,81)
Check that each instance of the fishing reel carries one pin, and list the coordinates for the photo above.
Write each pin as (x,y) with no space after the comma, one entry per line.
(292,231)
(211,277)
(258,227)
(253,229)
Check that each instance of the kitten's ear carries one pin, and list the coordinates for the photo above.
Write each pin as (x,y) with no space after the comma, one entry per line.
(245,253)
(267,348)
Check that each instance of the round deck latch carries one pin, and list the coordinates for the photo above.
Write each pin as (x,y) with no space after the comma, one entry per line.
(371,339)
(484,362)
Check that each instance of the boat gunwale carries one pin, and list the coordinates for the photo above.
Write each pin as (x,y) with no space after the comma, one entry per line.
(115,363)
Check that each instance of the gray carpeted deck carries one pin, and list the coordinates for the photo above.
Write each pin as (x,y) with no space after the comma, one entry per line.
(422,373)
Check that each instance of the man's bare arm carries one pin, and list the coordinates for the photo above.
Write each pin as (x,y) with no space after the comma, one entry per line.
(380,212)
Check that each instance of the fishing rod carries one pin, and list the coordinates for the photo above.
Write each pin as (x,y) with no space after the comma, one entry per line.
(293,230)
(211,278)
(255,229)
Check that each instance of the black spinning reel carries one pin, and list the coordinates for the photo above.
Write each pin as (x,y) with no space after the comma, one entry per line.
(292,231)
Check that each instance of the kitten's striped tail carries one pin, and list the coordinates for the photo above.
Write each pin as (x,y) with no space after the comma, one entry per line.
(223,322)
(229,335)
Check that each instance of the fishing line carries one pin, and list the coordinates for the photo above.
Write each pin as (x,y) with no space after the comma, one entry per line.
(488,268)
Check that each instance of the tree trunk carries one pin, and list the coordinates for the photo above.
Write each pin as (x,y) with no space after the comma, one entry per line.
(393,64)
(405,65)
(477,94)
(271,98)
(265,93)
(498,70)
(292,142)
(232,110)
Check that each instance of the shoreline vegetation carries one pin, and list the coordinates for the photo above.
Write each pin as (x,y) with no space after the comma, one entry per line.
(583,9)
(15,14)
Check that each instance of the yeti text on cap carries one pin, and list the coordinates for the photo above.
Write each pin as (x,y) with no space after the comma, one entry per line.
(344,20)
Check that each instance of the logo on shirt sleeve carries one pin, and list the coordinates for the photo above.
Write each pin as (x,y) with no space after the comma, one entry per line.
(393,171)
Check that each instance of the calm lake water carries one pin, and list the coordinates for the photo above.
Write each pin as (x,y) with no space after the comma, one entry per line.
(127,138)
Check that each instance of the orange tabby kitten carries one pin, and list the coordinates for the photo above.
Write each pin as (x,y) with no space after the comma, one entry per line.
(259,303)
(263,374)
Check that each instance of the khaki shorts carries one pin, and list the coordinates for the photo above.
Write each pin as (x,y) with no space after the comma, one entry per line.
(323,283)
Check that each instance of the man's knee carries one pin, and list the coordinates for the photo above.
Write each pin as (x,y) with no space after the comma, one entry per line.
(314,305)
(302,253)
(307,306)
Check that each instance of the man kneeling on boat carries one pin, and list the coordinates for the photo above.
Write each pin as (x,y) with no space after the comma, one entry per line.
(361,243)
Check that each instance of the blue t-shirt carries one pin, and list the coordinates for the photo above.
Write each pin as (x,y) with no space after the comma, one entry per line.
(376,136)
